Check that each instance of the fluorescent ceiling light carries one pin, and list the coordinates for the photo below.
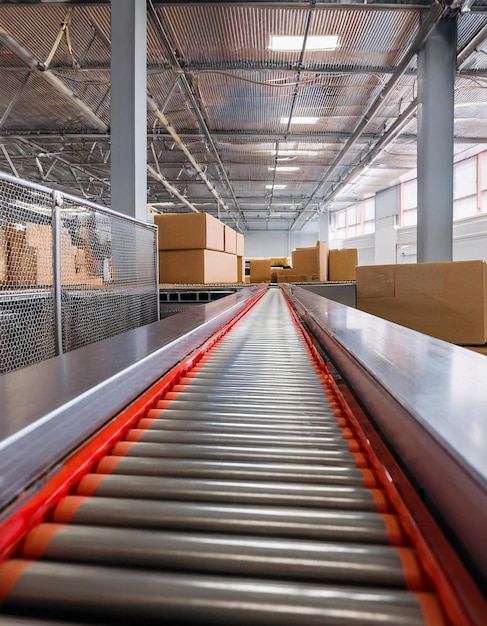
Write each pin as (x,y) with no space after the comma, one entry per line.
(275,186)
(282,153)
(300,120)
(284,168)
(294,43)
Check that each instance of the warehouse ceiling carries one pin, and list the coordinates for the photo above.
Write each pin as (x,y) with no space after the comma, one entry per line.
(236,104)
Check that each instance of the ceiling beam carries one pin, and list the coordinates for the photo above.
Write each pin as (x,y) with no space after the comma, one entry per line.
(56,83)
(250,136)
(277,4)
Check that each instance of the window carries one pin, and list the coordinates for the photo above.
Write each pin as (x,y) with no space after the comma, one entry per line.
(465,188)
(357,219)
(409,203)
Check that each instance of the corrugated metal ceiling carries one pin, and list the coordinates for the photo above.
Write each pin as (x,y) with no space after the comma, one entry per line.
(215,56)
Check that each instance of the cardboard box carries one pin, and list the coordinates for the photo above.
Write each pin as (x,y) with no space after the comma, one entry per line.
(19,260)
(288,275)
(444,300)
(189,231)
(197,267)
(312,262)
(260,270)
(230,239)
(341,264)
(240,269)
(240,245)
(478,349)
(280,261)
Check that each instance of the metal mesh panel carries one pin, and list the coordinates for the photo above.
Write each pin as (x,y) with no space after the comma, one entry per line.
(108,274)
(26,276)
(108,266)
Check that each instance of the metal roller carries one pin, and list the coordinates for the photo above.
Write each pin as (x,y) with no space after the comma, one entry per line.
(354,526)
(318,474)
(236,453)
(239,416)
(316,442)
(237,426)
(245,406)
(139,596)
(293,558)
(251,492)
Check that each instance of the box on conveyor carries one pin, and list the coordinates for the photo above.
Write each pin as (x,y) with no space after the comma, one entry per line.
(288,275)
(478,349)
(312,261)
(280,261)
(240,269)
(230,240)
(197,267)
(342,263)
(189,231)
(260,270)
(240,245)
(444,300)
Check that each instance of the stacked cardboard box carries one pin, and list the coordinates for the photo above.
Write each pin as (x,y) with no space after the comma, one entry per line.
(311,262)
(342,263)
(196,248)
(444,300)
(26,258)
(315,263)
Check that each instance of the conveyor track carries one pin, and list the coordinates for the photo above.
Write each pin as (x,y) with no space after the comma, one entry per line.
(242,497)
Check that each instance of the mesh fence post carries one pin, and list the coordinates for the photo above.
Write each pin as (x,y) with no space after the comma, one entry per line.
(57,203)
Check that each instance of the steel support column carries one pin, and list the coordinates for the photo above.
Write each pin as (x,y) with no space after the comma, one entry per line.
(129,108)
(324,226)
(436,83)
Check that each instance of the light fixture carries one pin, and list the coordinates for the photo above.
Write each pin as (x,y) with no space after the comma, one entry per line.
(282,153)
(294,43)
(300,120)
(284,168)
(275,186)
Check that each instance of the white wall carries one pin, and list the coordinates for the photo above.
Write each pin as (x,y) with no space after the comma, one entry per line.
(469,243)
(277,242)
(365,245)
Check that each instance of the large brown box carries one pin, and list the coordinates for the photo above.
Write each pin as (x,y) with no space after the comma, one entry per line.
(280,261)
(197,267)
(478,349)
(230,239)
(189,231)
(288,275)
(240,244)
(260,270)
(312,262)
(240,269)
(444,300)
(341,264)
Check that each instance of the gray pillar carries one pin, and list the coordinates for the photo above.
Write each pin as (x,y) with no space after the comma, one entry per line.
(128,125)
(387,206)
(324,226)
(436,82)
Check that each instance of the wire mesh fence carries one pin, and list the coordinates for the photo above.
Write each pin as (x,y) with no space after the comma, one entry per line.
(71,273)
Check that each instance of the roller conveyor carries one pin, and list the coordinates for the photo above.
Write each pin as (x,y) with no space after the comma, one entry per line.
(243,495)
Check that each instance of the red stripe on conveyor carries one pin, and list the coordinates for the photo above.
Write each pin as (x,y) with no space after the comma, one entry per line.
(36,508)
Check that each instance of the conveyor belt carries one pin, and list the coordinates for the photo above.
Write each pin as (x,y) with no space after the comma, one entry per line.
(242,497)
